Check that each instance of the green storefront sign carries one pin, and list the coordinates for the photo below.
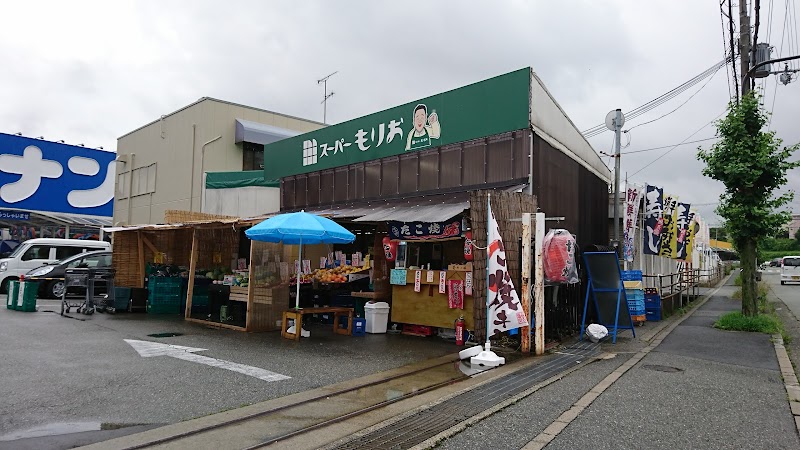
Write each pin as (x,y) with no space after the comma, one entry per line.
(489,107)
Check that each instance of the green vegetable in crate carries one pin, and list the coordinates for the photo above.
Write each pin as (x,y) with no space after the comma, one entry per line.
(210,275)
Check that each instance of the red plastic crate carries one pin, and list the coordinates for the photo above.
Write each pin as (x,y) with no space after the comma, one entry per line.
(417,330)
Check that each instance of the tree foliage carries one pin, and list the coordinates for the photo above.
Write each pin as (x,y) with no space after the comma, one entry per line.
(752,164)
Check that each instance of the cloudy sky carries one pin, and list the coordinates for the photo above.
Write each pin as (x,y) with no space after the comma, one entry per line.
(90,71)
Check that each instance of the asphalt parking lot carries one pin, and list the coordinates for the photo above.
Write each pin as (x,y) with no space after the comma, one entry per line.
(61,374)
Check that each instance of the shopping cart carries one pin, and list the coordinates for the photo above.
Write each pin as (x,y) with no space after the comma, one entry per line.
(85,280)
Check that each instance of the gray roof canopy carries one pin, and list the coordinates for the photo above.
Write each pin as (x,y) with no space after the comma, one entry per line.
(259,133)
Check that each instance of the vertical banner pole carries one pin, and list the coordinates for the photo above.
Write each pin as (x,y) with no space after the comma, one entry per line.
(538,288)
(488,296)
(527,256)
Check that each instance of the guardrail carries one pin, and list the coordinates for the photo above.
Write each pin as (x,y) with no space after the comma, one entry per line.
(679,288)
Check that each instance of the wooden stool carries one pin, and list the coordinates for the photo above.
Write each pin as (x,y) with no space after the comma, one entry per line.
(297,316)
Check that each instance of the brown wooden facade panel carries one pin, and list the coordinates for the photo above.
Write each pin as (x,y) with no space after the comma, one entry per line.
(312,188)
(450,168)
(409,172)
(390,176)
(341,185)
(428,170)
(327,187)
(500,161)
(372,179)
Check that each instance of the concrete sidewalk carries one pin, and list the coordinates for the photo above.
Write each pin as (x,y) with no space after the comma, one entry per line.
(697,387)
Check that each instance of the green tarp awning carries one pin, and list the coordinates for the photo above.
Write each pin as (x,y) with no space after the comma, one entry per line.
(230,180)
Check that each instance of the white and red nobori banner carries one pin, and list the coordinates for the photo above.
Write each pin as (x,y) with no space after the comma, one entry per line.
(633,197)
(503,305)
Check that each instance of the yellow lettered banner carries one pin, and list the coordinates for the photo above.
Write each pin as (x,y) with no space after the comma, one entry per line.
(669,232)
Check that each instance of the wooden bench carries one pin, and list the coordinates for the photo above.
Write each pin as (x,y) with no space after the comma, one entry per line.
(297,316)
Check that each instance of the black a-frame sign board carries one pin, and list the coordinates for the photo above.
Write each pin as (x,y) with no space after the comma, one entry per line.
(607,292)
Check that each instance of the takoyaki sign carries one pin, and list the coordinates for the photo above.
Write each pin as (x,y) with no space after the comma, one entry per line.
(422,231)
(486,108)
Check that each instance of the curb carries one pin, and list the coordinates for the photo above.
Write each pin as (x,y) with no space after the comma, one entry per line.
(789,379)
(545,437)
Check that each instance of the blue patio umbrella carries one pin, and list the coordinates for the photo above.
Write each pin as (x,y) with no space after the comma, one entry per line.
(300,228)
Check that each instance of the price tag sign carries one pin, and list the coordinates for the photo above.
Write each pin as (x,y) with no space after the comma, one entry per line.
(342,260)
(442,282)
(468,284)
(306,266)
(417,280)
(429,276)
(323,261)
(355,259)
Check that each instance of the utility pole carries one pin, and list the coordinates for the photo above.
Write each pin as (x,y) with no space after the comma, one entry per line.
(618,122)
(326,96)
(744,45)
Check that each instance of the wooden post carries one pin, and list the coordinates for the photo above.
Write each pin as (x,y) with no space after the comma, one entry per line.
(538,287)
(141,259)
(251,281)
(526,282)
(192,268)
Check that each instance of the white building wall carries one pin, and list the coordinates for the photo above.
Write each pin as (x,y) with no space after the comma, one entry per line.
(175,144)
(242,202)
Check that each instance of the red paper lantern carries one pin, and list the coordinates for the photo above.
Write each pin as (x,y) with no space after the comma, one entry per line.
(389,249)
(468,246)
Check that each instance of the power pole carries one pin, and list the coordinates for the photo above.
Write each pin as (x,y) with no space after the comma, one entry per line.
(618,122)
(326,96)
(744,45)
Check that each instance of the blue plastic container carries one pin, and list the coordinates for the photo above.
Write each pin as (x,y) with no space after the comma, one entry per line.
(653,314)
(631,275)
(359,326)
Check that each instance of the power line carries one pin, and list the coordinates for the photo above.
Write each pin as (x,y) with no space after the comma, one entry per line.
(652,104)
(680,143)
(725,46)
(668,146)
(733,49)
(679,106)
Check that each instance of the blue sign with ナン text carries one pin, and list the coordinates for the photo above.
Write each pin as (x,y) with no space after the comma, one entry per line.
(38,175)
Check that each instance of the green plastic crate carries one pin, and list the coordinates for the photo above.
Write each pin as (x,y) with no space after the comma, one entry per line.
(163,309)
(26,296)
(13,291)
(164,290)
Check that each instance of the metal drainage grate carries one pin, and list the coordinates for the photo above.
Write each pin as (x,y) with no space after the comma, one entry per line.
(667,369)
(164,335)
(428,423)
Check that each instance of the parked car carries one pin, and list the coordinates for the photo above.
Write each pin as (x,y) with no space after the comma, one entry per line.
(37,252)
(51,276)
(775,262)
(790,269)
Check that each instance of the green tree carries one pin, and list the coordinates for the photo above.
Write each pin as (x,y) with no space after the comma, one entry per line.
(752,165)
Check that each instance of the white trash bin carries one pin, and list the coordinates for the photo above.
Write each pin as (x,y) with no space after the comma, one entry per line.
(377,317)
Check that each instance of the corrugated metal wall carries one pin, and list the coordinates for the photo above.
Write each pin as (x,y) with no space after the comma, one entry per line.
(497,161)
(566,189)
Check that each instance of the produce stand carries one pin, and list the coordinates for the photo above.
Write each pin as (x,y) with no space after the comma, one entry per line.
(211,265)
(429,306)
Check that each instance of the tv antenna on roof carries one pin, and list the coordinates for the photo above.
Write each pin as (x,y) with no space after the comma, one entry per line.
(326,96)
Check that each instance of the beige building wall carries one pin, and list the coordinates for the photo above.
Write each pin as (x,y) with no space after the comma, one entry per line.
(794,226)
(173,152)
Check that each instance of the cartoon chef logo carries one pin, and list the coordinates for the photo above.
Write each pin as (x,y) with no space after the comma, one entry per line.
(426,128)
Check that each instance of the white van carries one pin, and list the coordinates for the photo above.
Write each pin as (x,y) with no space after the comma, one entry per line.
(38,252)
(790,269)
